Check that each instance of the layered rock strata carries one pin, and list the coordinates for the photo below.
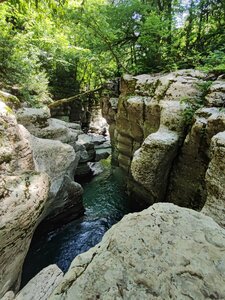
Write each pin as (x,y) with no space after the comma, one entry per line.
(89,147)
(54,150)
(163,252)
(215,181)
(159,141)
(23,196)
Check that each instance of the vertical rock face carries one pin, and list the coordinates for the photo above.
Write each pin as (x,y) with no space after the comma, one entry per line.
(149,128)
(23,196)
(164,252)
(152,162)
(187,182)
(54,150)
(215,181)
(165,157)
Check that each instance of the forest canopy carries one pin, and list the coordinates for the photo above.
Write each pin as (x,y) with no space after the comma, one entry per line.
(58,48)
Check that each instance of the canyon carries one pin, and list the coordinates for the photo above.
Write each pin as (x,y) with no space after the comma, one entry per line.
(167,133)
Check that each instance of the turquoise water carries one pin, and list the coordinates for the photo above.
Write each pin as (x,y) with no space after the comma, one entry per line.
(105,201)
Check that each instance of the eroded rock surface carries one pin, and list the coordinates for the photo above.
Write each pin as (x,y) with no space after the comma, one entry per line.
(215,181)
(59,161)
(40,124)
(23,196)
(159,142)
(187,182)
(42,285)
(163,252)
(55,151)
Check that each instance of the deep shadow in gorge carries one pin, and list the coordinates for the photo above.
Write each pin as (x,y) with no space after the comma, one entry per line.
(106,202)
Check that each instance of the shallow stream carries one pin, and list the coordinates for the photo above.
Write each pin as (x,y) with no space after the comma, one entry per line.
(105,201)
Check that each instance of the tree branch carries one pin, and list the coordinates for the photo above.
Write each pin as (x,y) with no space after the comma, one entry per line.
(73,98)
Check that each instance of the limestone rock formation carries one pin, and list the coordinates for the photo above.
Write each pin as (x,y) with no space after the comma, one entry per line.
(56,152)
(216,95)
(8,296)
(152,162)
(59,161)
(148,103)
(92,147)
(187,183)
(42,285)
(33,117)
(163,252)
(215,181)
(10,100)
(23,196)
(40,124)
(159,142)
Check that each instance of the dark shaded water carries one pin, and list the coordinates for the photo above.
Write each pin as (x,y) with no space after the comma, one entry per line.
(105,201)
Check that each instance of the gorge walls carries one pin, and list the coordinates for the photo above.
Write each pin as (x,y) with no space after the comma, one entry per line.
(163,146)
(23,197)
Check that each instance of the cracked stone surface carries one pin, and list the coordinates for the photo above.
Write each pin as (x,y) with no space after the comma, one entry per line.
(56,156)
(215,181)
(164,252)
(165,157)
(42,285)
(23,196)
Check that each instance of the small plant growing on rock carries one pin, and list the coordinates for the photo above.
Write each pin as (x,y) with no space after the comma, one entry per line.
(193,104)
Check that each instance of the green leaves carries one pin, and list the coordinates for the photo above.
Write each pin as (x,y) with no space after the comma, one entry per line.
(61,47)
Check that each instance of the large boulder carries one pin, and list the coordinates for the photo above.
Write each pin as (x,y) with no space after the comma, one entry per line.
(152,162)
(10,100)
(163,252)
(216,95)
(40,124)
(42,285)
(59,161)
(57,153)
(187,181)
(215,181)
(33,117)
(23,197)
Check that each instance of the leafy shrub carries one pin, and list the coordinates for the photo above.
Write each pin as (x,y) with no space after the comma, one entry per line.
(215,62)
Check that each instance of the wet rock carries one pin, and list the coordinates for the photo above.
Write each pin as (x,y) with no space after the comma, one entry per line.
(92,147)
(102,153)
(135,259)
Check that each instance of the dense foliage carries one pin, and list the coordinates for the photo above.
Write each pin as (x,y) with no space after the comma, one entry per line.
(57,48)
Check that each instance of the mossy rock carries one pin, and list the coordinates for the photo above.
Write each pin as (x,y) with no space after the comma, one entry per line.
(10,100)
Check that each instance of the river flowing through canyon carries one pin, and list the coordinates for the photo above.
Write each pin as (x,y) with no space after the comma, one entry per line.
(105,201)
